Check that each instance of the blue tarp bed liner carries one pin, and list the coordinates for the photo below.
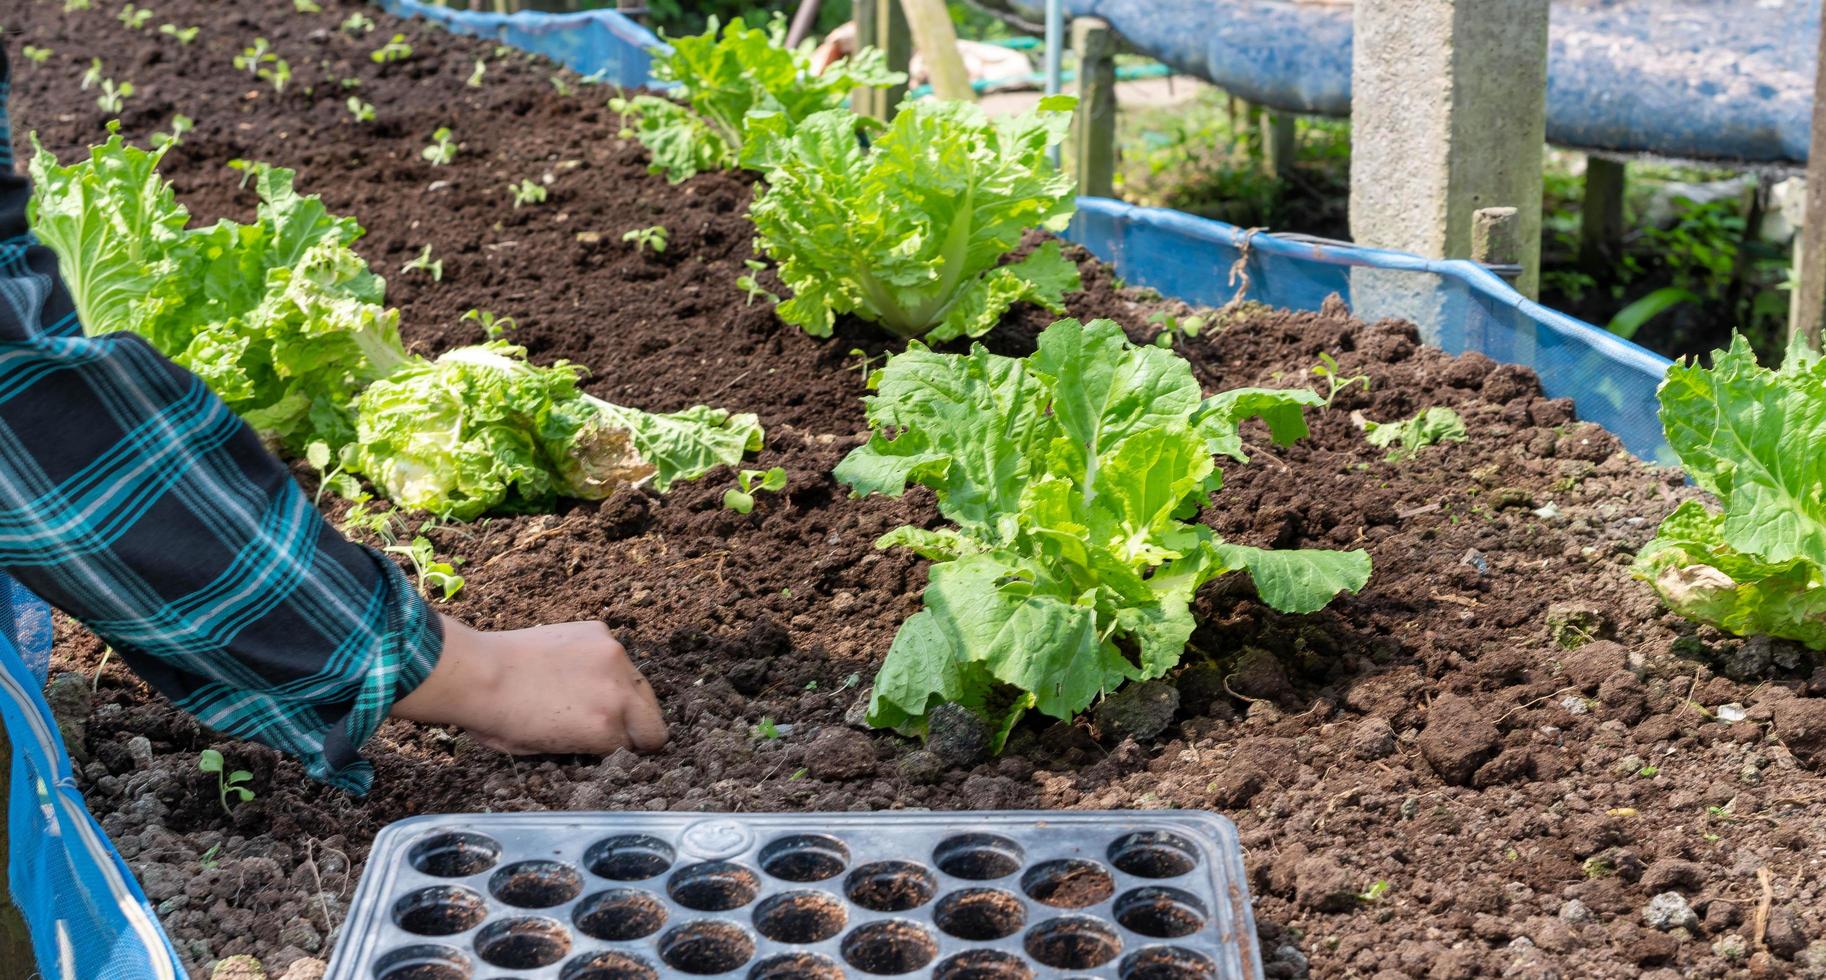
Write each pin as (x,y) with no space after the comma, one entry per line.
(89,919)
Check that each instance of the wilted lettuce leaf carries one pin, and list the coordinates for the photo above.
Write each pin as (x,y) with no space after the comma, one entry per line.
(909,233)
(1752,437)
(1069,569)
(1428,427)
(724,77)
(481,429)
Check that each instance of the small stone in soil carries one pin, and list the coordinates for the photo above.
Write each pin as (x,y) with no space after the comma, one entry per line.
(238,968)
(956,735)
(1784,936)
(1372,739)
(923,767)
(839,753)
(1139,711)
(1458,738)
(1321,884)
(1669,910)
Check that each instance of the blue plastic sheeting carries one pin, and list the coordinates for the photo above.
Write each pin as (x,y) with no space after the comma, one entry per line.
(1702,79)
(1460,305)
(599,43)
(87,917)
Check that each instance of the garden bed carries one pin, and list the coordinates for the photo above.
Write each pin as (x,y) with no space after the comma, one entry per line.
(1428,781)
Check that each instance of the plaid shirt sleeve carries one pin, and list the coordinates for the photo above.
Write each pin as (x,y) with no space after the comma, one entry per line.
(134,500)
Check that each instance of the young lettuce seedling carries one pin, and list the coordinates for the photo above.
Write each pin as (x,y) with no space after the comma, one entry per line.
(278,74)
(183,35)
(394,50)
(306,7)
(561,86)
(227,783)
(34,54)
(492,326)
(432,573)
(71,6)
(442,149)
(644,238)
(134,18)
(254,56)
(1173,328)
(356,23)
(180,124)
(527,191)
(362,111)
(1335,381)
(475,77)
(426,264)
(331,477)
(751,482)
(113,97)
(93,75)
(750,285)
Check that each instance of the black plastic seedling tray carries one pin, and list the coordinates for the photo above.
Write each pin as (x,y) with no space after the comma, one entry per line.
(1007,895)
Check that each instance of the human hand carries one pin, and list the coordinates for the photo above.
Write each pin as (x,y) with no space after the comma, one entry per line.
(565,687)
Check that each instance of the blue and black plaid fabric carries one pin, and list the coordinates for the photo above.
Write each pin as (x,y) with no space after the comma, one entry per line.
(134,500)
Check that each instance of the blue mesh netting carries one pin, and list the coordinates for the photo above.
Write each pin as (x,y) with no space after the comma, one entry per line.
(86,914)
(1709,79)
(88,918)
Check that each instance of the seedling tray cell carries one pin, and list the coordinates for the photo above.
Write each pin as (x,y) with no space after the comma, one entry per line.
(1007,895)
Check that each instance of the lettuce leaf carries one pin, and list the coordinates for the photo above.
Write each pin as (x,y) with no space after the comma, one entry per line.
(481,429)
(909,233)
(725,78)
(1070,568)
(1751,437)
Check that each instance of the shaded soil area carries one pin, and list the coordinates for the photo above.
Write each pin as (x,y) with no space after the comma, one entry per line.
(1502,758)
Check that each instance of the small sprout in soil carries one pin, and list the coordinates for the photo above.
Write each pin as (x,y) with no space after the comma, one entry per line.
(766,729)
(180,124)
(249,169)
(426,264)
(1376,892)
(1173,329)
(107,653)
(356,23)
(183,35)
(278,74)
(71,6)
(527,191)
(349,83)
(799,773)
(378,521)
(1409,436)
(211,857)
(865,363)
(331,477)
(134,18)
(93,75)
(493,326)
(1597,866)
(255,55)
(307,6)
(1648,772)
(442,149)
(748,284)
(645,238)
(34,54)
(396,49)
(475,77)
(113,97)
(563,87)
(227,783)
(431,573)
(1335,381)
(751,482)
(362,111)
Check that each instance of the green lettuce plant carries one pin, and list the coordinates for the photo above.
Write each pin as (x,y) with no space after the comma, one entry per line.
(910,232)
(722,77)
(1751,437)
(1070,479)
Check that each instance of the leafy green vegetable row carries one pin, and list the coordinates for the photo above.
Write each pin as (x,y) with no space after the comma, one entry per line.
(283,320)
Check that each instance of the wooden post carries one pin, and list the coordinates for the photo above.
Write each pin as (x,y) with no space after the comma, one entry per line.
(1280,145)
(883,24)
(16,959)
(1094,126)
(935,38)
(1808,303)
(1601,216)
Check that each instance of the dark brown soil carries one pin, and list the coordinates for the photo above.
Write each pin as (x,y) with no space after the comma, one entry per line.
(1427,781)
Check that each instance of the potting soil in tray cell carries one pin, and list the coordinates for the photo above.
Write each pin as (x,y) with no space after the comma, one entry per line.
(1130,895)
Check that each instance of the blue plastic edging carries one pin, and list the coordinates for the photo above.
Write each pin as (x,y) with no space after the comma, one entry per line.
(601,44)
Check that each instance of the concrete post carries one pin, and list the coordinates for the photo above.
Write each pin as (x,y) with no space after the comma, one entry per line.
(1493,238)
(935,38)
(1601,216)
(882,24)
(1807,305)
(1094,126)
(1448,115)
